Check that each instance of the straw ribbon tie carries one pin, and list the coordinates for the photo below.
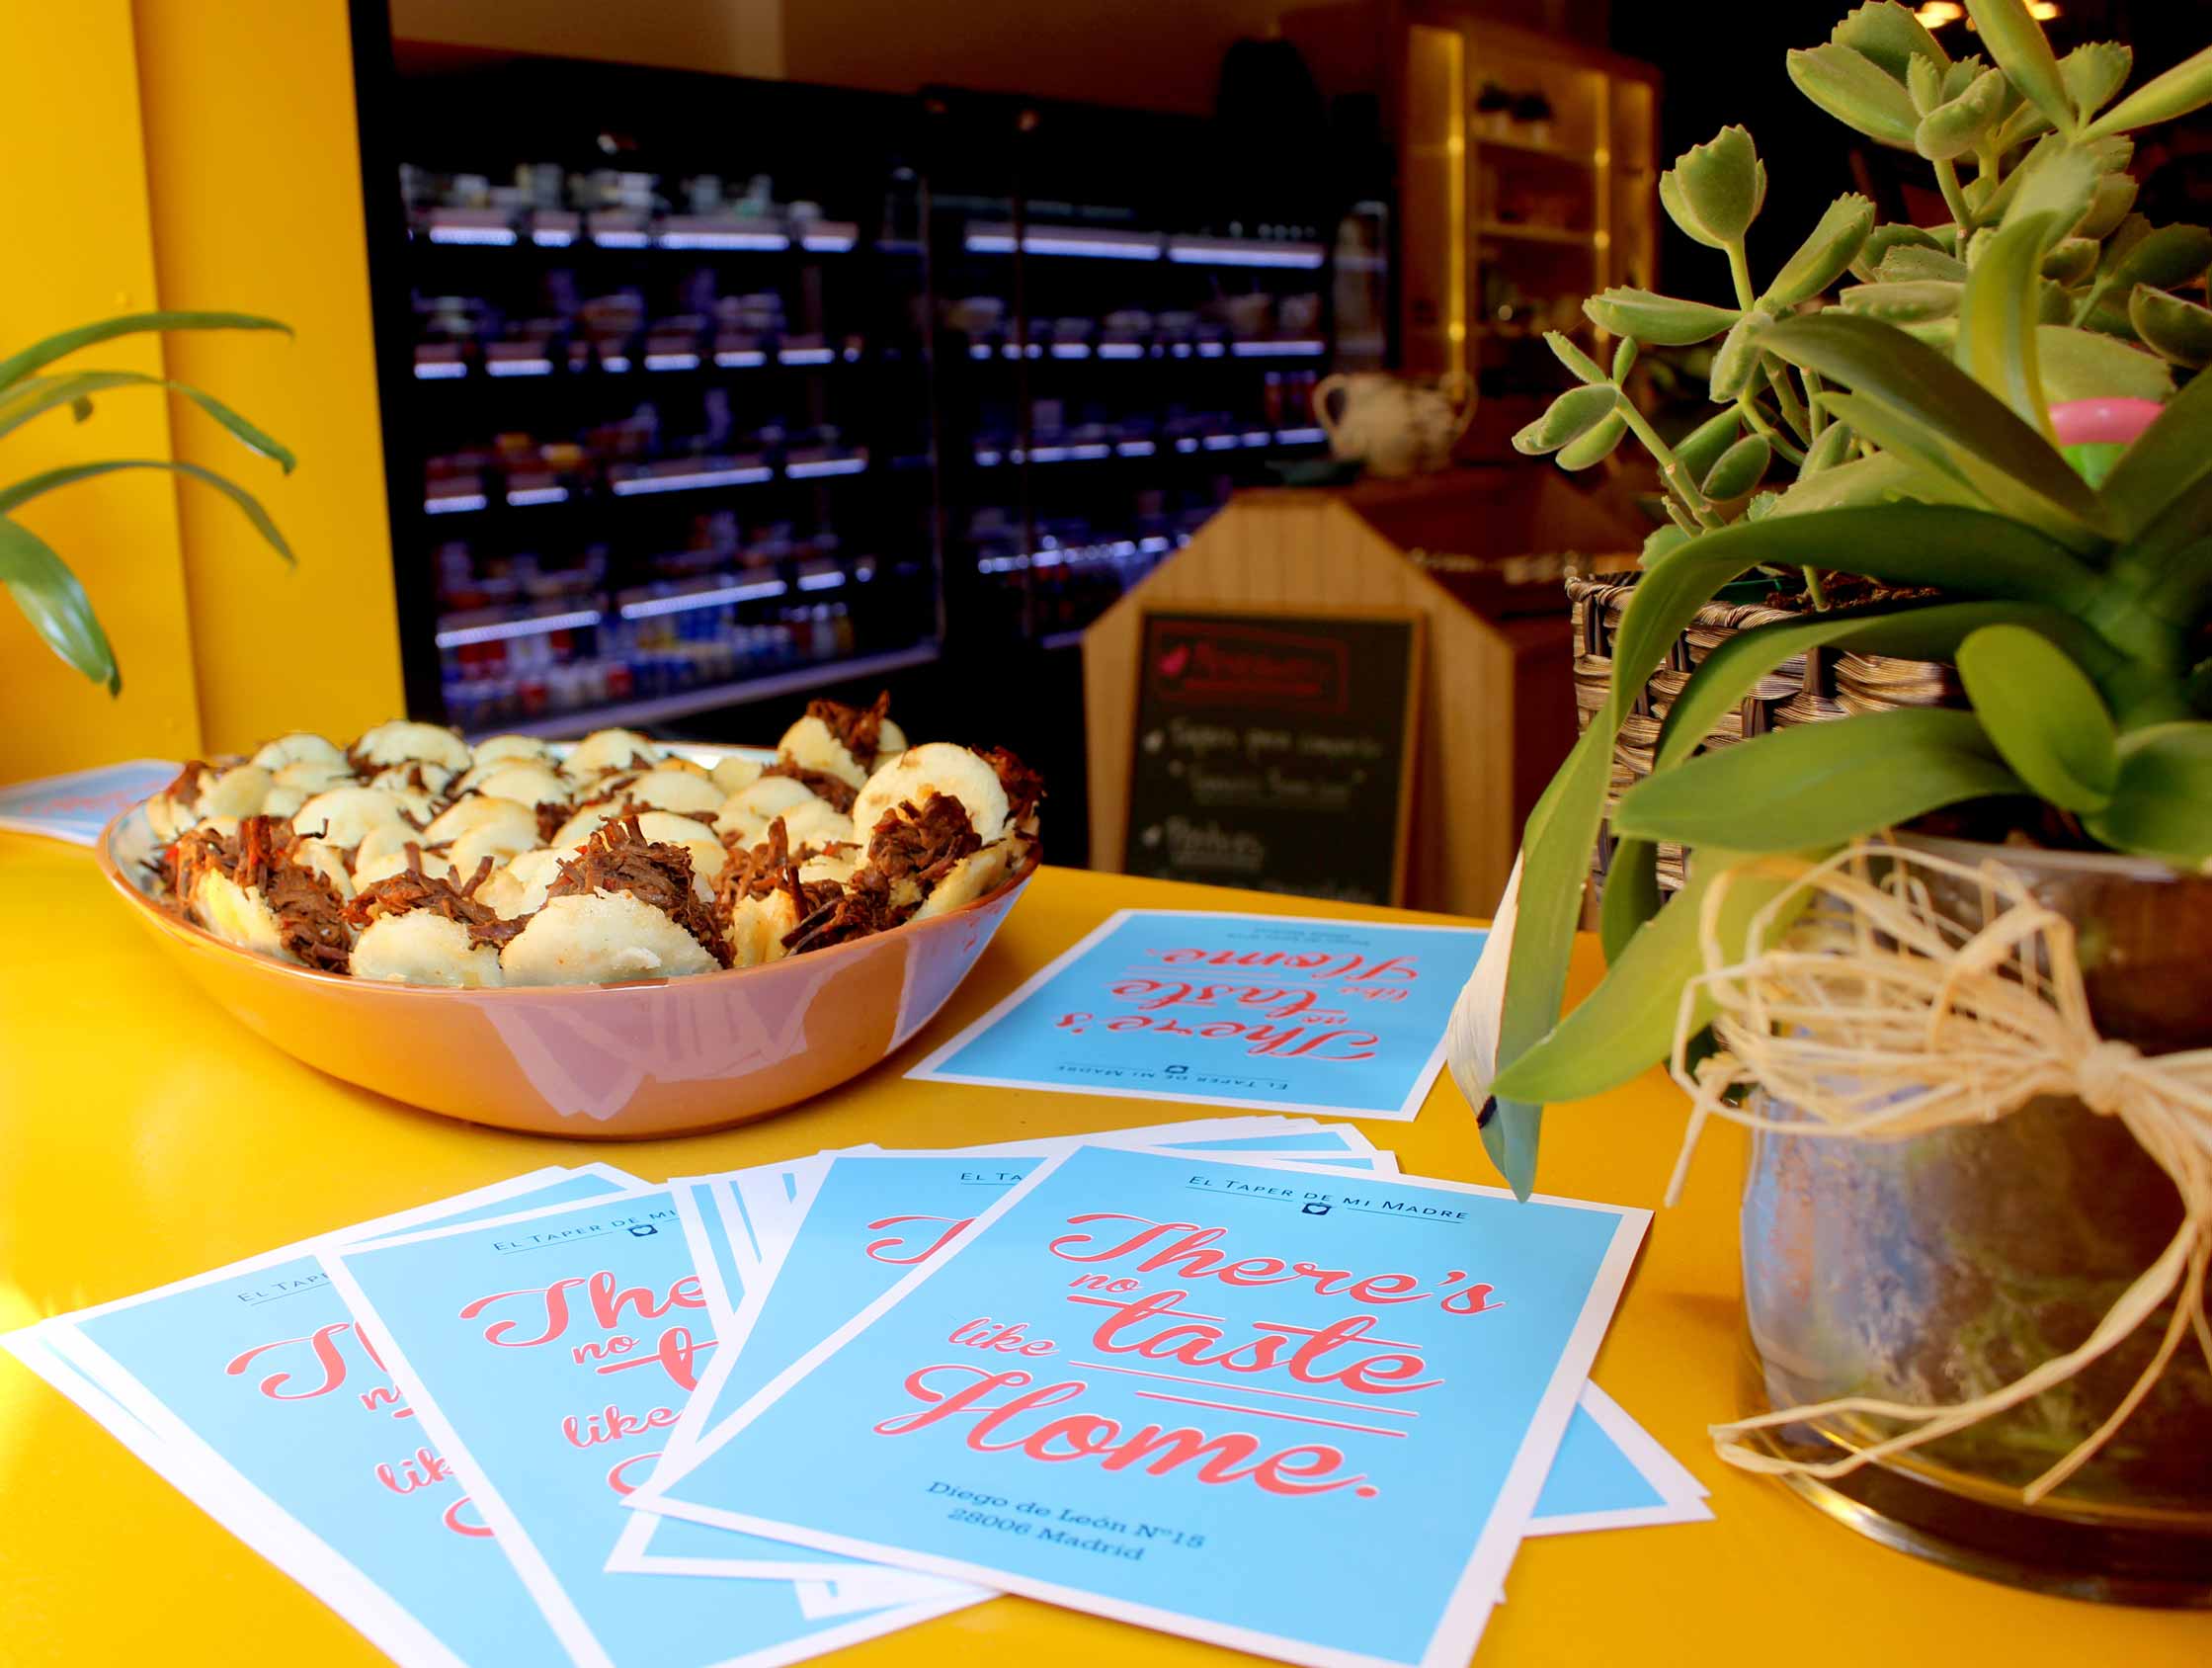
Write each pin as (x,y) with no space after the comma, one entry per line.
(1877,1017)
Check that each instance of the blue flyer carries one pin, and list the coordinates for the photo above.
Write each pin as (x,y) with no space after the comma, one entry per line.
(1261,1012)
(546,1355)
(1265,1404)
(276,1417)
(77,806)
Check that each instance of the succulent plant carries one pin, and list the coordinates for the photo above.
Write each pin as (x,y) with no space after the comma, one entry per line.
(1915,406)
(50,596)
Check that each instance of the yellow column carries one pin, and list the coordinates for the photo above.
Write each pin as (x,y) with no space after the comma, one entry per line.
(253,166)
(82,248)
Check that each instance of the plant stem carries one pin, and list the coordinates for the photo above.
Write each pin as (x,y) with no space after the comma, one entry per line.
(1812,400)
(1946,175)
(1786,396)
(1813,587)
(1758,420)
(1740,268)
(1670,467)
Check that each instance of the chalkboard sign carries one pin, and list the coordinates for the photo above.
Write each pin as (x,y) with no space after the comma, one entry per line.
(1275,751)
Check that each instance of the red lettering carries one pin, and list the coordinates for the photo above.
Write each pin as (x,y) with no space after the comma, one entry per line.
(322,1342)
(451,1520)
(555,1298)
(618,1474)
(886,1250)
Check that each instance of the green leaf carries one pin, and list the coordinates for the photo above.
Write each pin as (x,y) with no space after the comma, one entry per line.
(1883,478)
(2165,259)
(1909,263)
(1593,445)
(1884,239)
(1660,541)
(2162,804)
(1920,632)
(2185,87)
(1739,470)
(1624,359)
(2109,206)
(1631,896)
(2071,260)
(1997,342)
(1659,320)
(1700,448)
(32,486)
(1826,251)
(2044,714)
(2059,180)
(1819,785)
(1830,449)
(2181,330)
(56,604)
(1891,36)
(2082,365)
(2016,43)
(2166,462)
(1736,359)
(1567,418)
(1580,364)
(2092,74)
(1628,1022)
(1851,87)
(41,354)
(1907,301)
(1949,130)
(1718,186)
(40,394)
(1958,416)
(1924,81)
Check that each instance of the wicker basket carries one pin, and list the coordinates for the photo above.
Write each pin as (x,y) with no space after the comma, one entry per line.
(1824,684)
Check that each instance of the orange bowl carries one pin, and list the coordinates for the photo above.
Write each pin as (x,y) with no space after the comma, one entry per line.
(605,1062)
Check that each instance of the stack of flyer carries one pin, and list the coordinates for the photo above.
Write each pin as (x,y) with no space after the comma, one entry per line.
(1234,1378)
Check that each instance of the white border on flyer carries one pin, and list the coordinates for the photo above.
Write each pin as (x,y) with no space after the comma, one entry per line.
(931,1068)
(1681,1495)
(1473,1596)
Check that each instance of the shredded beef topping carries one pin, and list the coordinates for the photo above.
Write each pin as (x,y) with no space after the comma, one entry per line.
(412,890)
(552,813)
(187,782)
(835,789)
(620,859)
(310,915)
(1023,786)
(921,844)
(861,728)
(834,914)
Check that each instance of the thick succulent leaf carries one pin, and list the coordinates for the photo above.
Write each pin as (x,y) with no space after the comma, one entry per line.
(1739,471)
(1905,302)
(1891,35)
(37,394)
(1628,1022)
(1887,237)
(2185,87)
(32,485)
(1852,88)
(2114,196)
(2161,806)
(1579,365)
(55,602)
(1923,631)
(1679,211)
(1736,359)
(2084,365)
(1829,449)
(2060,180)
(1595,444)
(2071,260)
(1996,342)
(1567,418)
(1952,129)
(2044,714)
(2164,258)
(1817,786)
(1719,185)
(2017,44)
(38,355)
(1659,542)
(1919,384)
(1908,263)
(1661,320)
(1826,251)
(2092,74)
(1700,449)
(2179,329)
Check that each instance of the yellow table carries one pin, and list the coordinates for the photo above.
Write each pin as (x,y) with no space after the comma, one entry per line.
(144,1138)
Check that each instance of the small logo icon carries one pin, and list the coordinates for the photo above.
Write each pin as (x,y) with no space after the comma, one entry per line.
(1317,1210)
(642,1230)
(1175,660)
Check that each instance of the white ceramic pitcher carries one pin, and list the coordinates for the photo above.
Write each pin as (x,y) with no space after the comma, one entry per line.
(1396,425)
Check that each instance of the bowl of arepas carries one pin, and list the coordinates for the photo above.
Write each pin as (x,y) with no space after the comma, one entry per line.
(615,937)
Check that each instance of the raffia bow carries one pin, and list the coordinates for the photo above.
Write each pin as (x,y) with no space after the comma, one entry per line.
(1880,1018)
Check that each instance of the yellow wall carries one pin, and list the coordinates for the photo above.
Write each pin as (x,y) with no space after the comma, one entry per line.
(81,247)
(255,177)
